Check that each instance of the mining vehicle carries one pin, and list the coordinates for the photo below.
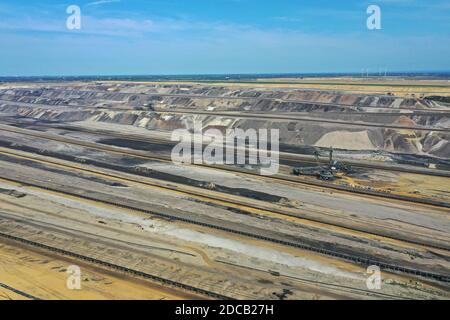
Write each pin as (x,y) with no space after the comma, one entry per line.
(324,172)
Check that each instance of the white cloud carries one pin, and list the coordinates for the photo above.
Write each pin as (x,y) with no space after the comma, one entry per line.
(101,2)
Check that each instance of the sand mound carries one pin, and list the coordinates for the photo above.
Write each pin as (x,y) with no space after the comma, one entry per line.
(346,140)
(406,121)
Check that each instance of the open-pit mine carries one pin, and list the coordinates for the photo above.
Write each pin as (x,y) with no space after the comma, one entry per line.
(92,205)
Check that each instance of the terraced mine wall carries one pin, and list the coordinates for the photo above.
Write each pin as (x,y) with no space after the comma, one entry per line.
(293,133)
(204,97)
(141,106)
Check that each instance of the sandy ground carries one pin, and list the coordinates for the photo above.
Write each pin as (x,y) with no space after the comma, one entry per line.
(408,184)
(368,86)
(44,276)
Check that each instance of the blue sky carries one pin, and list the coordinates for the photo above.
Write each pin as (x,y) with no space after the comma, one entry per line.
(222,36)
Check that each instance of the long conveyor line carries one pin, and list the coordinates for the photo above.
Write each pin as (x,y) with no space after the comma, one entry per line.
(117,267)
(343,256)
(228,202)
